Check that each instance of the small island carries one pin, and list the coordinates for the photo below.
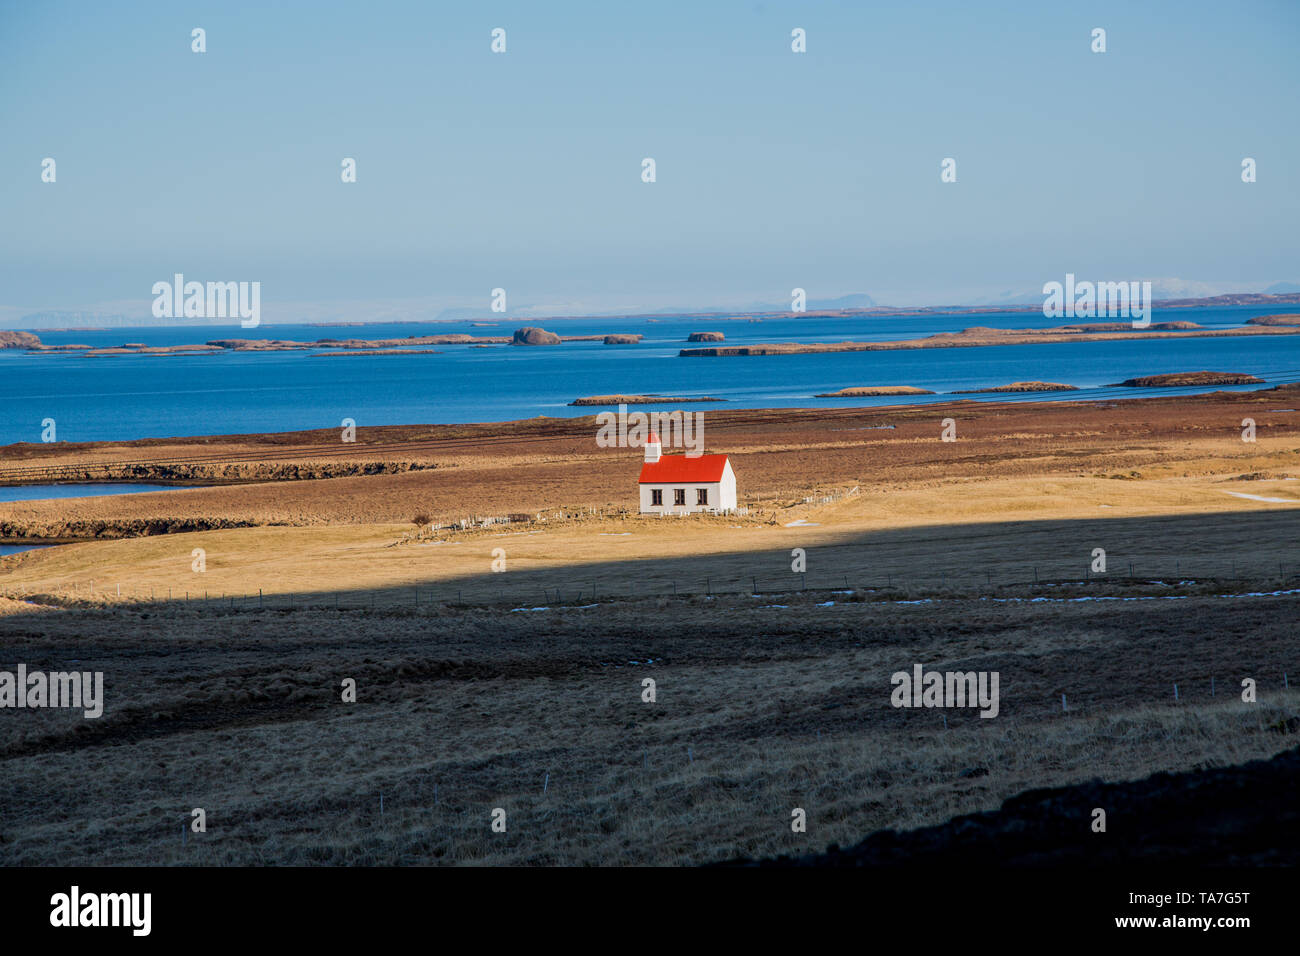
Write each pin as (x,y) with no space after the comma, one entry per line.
(639,400)
(379,352)
(1177,379)
(528,335)
(867,391)
(1020,387)
(18,340)
(706,337)
(978,336)
(532,335)
(1289,319)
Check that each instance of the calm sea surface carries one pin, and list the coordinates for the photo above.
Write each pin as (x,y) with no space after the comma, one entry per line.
(79,490)
(15,548)
(125,397)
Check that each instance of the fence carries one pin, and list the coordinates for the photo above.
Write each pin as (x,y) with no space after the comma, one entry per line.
(559,588)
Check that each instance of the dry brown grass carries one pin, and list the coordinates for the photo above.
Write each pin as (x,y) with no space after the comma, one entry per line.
(785,454)
(970,534)
(765,702)
(758,711)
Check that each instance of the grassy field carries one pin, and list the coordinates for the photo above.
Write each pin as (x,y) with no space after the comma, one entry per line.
(971,534)
(459,711)
(547,465)
(522,689)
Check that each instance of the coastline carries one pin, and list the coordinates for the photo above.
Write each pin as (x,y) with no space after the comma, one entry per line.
(449,472)
(984,337)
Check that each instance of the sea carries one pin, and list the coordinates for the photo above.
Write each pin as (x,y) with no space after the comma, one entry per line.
(124,397)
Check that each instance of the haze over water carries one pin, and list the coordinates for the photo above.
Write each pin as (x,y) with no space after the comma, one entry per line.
(125,397)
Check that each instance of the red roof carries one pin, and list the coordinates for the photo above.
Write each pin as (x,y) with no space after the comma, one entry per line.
(683,469)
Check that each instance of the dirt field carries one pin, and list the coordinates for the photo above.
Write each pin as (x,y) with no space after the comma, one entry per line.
(522,690)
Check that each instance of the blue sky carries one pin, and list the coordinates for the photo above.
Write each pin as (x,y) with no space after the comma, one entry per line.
(522,170)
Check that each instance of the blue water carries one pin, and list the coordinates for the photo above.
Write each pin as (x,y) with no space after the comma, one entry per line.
(87,490)
(15,548)
(128,397)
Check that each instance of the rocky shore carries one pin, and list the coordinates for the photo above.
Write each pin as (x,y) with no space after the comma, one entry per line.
(18,340)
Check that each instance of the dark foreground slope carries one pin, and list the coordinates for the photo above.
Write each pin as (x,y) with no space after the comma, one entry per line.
(1247,815)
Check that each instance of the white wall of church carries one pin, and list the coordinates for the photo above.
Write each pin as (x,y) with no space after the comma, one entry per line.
(721,495)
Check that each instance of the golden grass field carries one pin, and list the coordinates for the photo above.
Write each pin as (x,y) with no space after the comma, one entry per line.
(971,533)
(500,692)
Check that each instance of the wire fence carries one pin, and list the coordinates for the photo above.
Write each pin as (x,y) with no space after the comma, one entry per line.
(528,589)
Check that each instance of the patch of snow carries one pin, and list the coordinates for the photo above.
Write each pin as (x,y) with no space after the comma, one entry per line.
(801,523)
(1280,501)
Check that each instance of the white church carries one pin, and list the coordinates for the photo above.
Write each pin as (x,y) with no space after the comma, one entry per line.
(681,484)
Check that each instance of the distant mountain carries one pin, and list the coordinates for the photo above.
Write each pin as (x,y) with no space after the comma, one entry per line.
(1192,289)
(84,320)
(1171,291)
(858,300)
(1009,297)
(1162,290)
(464,315)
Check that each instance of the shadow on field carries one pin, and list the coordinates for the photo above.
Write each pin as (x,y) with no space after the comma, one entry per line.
(460,710)
(1243,815)
(1203,551)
